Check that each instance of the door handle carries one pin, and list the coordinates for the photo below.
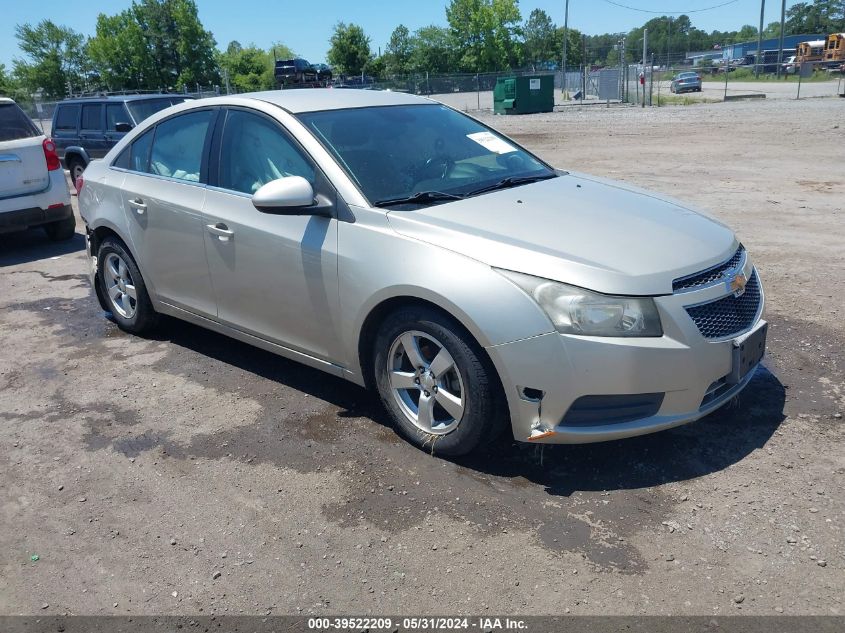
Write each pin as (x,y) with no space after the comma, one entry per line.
(220,230)
(139,205)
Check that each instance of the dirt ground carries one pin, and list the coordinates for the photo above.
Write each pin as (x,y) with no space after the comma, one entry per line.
(191,474)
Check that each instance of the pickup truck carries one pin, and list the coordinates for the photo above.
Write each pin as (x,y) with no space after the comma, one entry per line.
(299,72)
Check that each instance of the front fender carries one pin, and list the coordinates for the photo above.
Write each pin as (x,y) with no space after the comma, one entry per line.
(376,265)
(75,150)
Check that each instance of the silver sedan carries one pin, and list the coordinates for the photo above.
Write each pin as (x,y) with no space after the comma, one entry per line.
(402,245)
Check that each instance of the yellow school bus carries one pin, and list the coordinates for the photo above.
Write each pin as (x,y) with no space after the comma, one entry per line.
(808,52)
(834,50)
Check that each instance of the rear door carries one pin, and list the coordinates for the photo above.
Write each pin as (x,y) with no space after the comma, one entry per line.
(163,194)
(65,130)
(23,167)
(91,130)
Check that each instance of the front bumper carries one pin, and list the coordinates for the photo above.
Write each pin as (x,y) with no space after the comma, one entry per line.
(692,373)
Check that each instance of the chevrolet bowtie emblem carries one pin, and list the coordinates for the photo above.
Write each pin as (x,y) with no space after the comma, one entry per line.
(736,284)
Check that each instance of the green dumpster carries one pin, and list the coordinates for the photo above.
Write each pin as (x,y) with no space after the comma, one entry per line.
(524,95)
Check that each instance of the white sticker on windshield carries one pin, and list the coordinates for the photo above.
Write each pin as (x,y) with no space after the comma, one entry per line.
(491,142)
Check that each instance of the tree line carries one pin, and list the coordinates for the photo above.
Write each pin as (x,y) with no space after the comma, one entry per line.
(163,45)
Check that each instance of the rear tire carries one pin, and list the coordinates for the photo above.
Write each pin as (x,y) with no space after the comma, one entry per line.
(61,230)
(443,395)
(75,166)
(124,289)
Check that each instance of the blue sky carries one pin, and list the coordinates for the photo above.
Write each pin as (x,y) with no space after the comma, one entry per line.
(306,27)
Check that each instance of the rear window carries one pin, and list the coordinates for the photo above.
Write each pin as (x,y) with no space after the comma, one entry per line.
(14,124)
(67,117)
(147,107)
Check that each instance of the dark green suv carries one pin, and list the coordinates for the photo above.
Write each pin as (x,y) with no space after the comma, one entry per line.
(88,127)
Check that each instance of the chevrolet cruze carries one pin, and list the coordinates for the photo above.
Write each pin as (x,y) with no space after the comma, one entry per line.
(392,241)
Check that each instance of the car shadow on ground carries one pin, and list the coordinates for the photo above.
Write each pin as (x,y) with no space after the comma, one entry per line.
(709,445)
(31,245)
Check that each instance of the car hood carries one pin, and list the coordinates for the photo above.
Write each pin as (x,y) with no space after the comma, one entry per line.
(577,229)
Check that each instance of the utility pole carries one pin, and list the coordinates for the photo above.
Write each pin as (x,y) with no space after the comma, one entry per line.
(668,42)
(565,36)
(758,59)
(780,42)
(645,57)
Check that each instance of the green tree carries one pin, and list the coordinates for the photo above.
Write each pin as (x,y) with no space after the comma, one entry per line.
(181,50)
(7,88)
(398,52)
(119,53)
(540,38)
(432,50)
(250,68)
(487,33)
(54,58)
(819,16)
(350,49)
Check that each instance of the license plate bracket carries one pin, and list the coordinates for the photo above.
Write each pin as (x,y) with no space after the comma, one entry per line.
(747,353)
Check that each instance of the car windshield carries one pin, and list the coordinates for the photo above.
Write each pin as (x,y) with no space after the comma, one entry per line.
(421,154)
(687,76)
(147,107)
(14,124)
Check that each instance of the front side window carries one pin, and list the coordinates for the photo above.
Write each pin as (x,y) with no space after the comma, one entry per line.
(91,116)
(255,151)
(67,117)
(115,113)
(178,146)
(396,152)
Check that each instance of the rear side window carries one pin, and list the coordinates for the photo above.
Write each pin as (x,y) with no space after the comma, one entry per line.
(67,117)
(178,146)
(139,152)
(91,117)
(14,124)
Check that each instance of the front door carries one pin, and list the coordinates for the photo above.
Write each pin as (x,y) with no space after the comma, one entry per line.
(163,195)
(274,276)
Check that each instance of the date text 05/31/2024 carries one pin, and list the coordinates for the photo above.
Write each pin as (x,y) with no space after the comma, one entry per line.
(417,624)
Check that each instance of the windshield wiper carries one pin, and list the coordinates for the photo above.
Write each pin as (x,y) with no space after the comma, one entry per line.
(507,183)
(423,197)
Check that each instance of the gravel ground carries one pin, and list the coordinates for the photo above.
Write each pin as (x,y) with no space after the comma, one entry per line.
(188,473)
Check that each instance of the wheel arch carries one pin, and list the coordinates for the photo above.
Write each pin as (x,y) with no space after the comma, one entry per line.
(380,311)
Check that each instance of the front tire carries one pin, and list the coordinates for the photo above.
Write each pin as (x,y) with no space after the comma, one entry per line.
(435,382)
(62,230)
(124,289)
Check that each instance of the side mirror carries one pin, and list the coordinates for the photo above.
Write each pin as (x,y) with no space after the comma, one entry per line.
(292,195)
(122,127)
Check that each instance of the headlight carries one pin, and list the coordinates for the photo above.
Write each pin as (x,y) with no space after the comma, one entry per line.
(577,311)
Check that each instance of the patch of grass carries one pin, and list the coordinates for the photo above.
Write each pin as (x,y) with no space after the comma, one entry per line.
(683,100)
(747,74)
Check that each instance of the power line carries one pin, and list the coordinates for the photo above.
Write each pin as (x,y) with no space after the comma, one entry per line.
(716,6)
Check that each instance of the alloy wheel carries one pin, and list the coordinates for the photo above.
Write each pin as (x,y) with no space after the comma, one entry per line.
(120,287)
(426,383)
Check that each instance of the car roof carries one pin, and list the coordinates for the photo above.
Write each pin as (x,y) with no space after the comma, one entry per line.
(121,98)
(6,100)
(318,99)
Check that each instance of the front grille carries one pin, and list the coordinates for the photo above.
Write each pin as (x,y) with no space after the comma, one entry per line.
(709,276)
(729,315)
(612,409)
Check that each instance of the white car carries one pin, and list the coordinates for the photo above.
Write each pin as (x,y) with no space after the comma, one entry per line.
(33,189)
